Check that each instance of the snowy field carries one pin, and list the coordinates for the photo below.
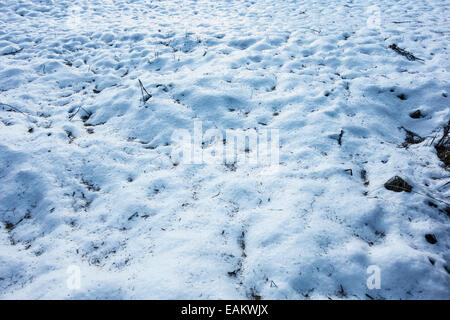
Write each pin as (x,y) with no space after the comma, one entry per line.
(93,204)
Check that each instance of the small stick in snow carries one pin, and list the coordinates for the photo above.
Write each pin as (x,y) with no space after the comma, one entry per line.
(145,96)
(3,105)
(311,29)
(79,108)
(340,137)
(31,118)
(410,190)
(12,52)
(400,22)
(404,53)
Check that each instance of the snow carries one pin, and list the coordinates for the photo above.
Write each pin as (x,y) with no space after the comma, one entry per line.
(87,174)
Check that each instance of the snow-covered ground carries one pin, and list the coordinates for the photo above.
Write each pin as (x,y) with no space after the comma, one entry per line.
(88,184)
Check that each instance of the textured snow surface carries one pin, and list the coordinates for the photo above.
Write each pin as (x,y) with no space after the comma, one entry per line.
(86,176)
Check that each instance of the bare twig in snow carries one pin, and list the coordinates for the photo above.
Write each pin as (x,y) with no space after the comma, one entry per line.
(144,92)
(404,53)
(340,137)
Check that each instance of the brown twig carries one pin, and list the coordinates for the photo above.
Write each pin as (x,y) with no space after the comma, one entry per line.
(404,53)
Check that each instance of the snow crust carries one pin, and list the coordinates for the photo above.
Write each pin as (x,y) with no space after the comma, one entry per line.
(87,177)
